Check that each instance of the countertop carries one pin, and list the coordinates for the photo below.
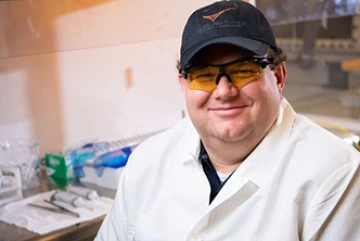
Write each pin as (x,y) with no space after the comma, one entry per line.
(81,231)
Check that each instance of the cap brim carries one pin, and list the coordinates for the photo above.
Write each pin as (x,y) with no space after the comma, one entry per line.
(257,47)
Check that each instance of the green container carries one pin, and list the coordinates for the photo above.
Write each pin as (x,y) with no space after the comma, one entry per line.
(58,167)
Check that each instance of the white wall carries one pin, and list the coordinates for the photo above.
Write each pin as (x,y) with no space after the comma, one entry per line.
(77,70)
(101,99)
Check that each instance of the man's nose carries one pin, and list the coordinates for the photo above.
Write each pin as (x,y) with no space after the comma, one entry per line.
(225,88)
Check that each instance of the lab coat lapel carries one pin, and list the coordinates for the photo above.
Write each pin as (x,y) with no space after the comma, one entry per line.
(253,173)
(255,170)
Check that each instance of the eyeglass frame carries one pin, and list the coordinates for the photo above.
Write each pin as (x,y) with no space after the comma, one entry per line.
(262,61)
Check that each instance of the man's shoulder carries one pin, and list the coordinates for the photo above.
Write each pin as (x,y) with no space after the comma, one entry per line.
(315,140)
(160,153)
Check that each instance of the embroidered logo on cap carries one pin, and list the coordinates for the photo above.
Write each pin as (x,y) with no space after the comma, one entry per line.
(214,16)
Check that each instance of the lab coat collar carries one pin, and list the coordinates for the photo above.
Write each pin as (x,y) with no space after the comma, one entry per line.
(191,145)
(253,173)
(256,166)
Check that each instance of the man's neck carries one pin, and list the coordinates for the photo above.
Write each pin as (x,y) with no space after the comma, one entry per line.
(226,157)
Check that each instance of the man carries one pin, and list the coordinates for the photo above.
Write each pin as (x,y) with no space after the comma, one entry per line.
(244,165)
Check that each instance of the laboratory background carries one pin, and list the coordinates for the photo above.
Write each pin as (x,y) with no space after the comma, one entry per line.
(82,83)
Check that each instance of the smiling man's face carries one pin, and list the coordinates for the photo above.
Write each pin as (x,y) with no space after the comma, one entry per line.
(231,113)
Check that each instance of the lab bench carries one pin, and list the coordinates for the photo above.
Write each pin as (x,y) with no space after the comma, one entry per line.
(83,231)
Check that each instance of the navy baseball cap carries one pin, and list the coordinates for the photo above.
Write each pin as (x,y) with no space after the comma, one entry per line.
(226,22)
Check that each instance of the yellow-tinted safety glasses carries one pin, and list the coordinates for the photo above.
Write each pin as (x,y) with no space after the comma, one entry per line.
(239,73)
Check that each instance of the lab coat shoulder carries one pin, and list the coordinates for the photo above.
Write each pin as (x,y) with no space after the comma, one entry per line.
(160,150)
(152,157)
(320,148)
(141,176)
(332,167)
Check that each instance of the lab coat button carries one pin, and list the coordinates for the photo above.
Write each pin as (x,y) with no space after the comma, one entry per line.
(197,238)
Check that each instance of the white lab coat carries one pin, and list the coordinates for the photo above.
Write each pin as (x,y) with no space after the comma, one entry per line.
(300,183)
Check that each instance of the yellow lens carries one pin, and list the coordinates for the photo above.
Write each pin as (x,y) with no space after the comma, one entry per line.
(203,78)
(242,73)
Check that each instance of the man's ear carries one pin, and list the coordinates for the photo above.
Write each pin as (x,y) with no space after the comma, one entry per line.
(182,82)
(280,74)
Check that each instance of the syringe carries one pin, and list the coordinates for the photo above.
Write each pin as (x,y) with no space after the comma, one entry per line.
(68,198)
(86,193)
